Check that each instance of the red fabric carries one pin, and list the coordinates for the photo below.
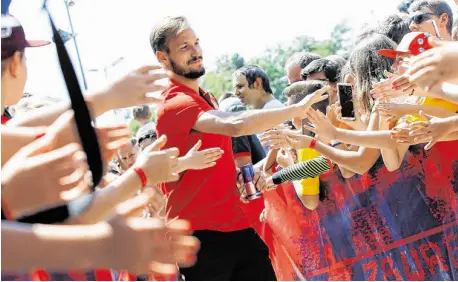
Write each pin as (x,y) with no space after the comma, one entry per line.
(39,274)
(5,119)
(103,275)
(242,154)
(207,198)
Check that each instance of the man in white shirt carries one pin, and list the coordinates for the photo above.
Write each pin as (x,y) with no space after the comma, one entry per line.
(252,87)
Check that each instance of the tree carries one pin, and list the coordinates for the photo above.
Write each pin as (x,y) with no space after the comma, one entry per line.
(273,60)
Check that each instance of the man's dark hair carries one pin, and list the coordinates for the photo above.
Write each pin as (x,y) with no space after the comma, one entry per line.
(252,73)
(438,7)
(168,27)
(302,59)
(338,59)
(394,27)
(142,112)
(301,89)
(330,68)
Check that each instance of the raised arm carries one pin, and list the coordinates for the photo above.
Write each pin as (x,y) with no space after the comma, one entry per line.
(128,91)
(255,121)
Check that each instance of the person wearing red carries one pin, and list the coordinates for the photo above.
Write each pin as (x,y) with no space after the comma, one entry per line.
(230,249)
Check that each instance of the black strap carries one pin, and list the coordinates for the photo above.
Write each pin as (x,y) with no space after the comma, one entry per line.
(86,132)
(82,115)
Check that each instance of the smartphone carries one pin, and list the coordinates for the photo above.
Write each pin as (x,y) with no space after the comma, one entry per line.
(345,96)
(305,131)
(436,30)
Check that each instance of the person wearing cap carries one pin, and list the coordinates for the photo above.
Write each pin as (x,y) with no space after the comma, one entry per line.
(413,44)
(424,12)
(14,69)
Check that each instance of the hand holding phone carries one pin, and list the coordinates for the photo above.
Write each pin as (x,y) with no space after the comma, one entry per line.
(345,96)
(305,131)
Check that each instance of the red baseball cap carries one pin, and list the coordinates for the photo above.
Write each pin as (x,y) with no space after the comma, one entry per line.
(13,37)
(413,43)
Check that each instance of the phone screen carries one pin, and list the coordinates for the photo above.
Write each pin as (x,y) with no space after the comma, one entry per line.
(345,93)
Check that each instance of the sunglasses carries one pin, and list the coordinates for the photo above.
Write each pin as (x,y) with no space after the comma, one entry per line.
(420,18)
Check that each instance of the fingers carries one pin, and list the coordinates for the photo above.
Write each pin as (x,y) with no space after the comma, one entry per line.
(212,155)
(185,249)
(58,156)
(425,116)
(310,128)
(430,145)
(145,69)
(196,146)
(157,145)
(62,121)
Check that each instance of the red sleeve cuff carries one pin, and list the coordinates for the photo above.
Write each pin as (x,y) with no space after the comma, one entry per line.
(242,154)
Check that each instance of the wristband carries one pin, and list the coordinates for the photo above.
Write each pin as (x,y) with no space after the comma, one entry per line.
(312,144)
(142,175)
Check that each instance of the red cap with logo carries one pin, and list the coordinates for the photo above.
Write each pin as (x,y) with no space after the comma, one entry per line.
(13,37)
(413,43)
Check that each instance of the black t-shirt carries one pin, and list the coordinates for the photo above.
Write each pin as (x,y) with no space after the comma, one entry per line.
(249,145)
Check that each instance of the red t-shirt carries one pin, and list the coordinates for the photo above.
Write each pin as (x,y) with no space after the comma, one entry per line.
(207,198)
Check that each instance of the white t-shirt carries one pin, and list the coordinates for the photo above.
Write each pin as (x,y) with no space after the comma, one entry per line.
(273,104)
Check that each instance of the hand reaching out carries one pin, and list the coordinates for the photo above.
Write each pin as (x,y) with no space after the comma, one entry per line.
(198,160)
(111,138)
(284,158)
(393,112)
(131,90)
(143,245)
(323,128)
(47,178)
(315,97)
(435,66)
(432,130)
(159,166)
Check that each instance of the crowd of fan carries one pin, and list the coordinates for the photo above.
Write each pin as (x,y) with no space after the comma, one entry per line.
(404,78)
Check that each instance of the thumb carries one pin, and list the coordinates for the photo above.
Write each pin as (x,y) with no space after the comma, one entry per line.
(196,147)
(425,116)
(158,144)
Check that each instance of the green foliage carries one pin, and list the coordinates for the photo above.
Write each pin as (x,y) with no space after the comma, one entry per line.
(273,60)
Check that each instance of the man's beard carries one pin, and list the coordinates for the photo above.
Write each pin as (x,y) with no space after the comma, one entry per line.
(192,74)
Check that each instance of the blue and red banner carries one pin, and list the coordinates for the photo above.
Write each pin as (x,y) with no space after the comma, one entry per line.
(382,225)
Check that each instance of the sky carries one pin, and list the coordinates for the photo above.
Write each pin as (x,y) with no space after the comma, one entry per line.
(108,30)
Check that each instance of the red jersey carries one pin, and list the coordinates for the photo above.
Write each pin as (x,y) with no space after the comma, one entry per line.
(207,198)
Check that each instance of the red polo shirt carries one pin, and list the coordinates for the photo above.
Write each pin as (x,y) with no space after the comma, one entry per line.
(207,198)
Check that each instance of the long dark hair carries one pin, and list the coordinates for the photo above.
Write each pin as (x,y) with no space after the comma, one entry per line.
(368,66)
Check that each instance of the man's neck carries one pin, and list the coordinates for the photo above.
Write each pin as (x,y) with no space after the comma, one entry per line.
(191,83)
(266,98)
